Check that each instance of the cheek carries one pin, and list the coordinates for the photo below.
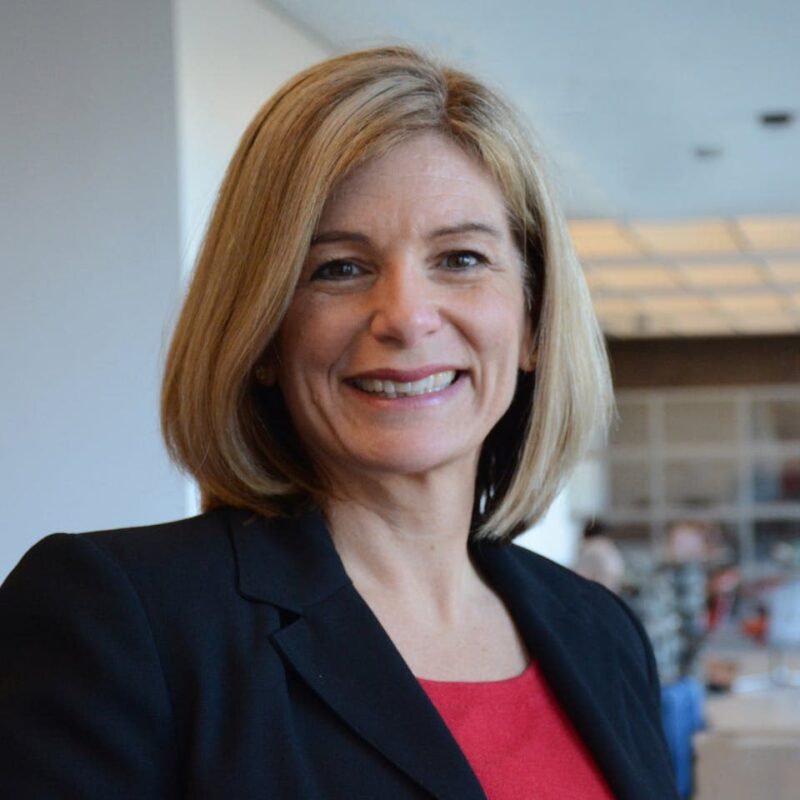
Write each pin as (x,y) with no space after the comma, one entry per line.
(311,342)
(501,329)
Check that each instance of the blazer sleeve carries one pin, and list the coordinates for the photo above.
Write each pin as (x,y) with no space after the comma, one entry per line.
(84,708)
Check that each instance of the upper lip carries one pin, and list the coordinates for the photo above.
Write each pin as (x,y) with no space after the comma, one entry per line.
(403,375)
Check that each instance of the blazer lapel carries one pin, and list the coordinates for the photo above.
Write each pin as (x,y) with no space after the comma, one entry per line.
(337,645)
(347,658)
(563,639)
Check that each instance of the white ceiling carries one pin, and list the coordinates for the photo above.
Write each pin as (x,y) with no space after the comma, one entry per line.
(621,94)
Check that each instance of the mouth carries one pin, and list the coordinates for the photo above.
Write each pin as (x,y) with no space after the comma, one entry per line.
(391,389)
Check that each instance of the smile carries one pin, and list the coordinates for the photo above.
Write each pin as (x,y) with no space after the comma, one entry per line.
(391,389)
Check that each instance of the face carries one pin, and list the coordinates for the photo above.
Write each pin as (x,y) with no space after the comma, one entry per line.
(401,347)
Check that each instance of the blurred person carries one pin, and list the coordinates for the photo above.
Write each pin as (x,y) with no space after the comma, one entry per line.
(599,558)
(687,541)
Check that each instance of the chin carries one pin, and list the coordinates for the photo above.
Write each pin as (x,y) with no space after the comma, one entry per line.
(407,460)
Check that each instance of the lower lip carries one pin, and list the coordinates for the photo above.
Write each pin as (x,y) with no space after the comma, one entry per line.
(426,400)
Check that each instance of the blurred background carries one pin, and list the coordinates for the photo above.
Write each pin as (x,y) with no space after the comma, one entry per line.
(671,133)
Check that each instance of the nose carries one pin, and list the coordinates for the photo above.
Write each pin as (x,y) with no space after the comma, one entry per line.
(405,307)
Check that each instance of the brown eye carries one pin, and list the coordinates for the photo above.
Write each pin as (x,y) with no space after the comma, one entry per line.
(463,260)
(337,271)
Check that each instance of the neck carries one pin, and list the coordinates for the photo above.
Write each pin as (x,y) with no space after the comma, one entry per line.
(404,540)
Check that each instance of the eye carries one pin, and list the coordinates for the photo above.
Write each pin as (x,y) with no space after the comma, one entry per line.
(339,270)
(463,260)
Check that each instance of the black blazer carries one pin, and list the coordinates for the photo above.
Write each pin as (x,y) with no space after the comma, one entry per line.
(225,658)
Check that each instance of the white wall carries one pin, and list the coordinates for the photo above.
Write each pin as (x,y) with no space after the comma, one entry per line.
(558,535)
(231,57)
(89,265)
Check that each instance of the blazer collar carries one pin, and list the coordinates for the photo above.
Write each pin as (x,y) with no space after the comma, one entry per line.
(290,563)
(337,645)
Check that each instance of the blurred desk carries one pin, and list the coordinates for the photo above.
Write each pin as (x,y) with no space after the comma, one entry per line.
(751,748)
(772,712)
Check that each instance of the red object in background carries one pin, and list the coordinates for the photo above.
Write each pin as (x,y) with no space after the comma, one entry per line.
(756,627)
(722,589)
(790,481)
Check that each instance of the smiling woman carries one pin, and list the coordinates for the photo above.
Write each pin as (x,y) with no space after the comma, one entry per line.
(385,367)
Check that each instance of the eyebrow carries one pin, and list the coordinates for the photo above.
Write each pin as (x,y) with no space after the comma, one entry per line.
(339,236)
(327,237)
(466,227)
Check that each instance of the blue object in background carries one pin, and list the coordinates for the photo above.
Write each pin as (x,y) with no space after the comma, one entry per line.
(682,717)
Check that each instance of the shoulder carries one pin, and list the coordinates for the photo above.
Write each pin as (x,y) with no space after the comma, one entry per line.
(175,565)
(189,541)
(590,604)
(579,593)
(182,543)
(158,597)
(92,630)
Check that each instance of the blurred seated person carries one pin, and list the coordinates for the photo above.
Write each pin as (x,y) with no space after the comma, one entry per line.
(599,558)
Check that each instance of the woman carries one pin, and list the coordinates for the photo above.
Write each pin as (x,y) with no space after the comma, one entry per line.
(385,367)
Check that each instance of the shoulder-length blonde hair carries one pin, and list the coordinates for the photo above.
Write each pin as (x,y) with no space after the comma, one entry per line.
(231,433)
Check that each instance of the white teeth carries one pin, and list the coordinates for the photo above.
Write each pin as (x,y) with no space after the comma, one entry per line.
(433,383)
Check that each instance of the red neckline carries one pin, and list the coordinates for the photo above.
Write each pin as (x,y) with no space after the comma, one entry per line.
(500,682)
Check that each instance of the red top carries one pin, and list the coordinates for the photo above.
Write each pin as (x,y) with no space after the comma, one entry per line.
(517,739)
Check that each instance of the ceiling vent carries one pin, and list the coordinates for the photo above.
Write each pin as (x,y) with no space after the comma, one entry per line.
(776,119)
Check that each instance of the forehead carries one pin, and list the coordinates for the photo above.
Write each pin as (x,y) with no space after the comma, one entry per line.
(427,178)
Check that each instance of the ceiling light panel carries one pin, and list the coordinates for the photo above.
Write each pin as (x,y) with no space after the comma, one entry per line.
(702,277)
(684,238)
(722,275)
(701,325)
(766,323)
(676,304)
(755,303)
(771,234)
(631,277)
(620,326)
(601,239)
(784,271)
(614,306)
